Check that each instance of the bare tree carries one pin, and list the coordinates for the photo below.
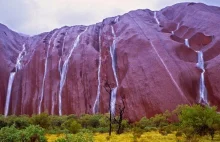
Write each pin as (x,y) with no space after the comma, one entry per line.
(121,110)
(108,89)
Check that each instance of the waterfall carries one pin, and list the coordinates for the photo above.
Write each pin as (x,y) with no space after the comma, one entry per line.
(187,43)
(177,27)
(116,19)
(18,66)
(113,56)
(8,97)
(20,57)
(64,70)
(202,87)
(45,73)
(200,64)
(96,104)
(155,17)
(60,71)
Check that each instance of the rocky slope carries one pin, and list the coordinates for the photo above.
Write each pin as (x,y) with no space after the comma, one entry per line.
(153,61)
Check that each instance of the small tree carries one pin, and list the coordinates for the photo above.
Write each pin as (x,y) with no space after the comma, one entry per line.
(199,120)
(72,126)
(33,133)
(108,89)
(43,120)
(121,110)
(9,134)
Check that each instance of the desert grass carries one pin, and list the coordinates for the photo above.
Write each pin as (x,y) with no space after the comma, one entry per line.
(153,136)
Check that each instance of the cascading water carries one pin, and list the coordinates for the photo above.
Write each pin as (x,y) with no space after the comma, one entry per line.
(64,70)
(10,82)
(96,104)
(187,43)
(45,73)
(200,64)
(20,57)
(113,56)
(155,17)
(18,66)
(60,71)
(202,87)
(116,19)
(178,25)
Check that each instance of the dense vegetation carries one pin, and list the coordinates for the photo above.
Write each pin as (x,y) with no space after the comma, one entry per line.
(187,123)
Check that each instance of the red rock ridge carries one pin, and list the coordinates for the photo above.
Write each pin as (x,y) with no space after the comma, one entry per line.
(155,69)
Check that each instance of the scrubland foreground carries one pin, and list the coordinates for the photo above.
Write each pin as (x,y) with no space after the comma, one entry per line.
(185,123)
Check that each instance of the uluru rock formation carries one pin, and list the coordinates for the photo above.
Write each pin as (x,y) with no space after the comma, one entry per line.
(153,61)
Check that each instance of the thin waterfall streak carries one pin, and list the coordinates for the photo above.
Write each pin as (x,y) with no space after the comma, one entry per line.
(60,60)
(18,66)
(20,57)
(175,83)
(64,70)
(178,25)
(113,56)
(116,19)
(202,87)
(60,71)
(45,73)
(155,17)
(113,102)
(8,97)
(59,66)
(187,42)
(52,108)
(96,104)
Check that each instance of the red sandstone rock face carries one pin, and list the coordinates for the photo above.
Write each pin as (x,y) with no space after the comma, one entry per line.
(155,69)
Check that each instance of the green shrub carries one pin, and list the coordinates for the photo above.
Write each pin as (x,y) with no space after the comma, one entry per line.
(198,120)
(33,134)
(61,140)
(72,126)
(22,122)
(82,136)
(148,129)
(179,134)
(43,120)
(56,122)
(101,129)
(10,120)
(143,123)
(90,121)
(168,129)
(137,132)
(160,120)
(104,120)
(3,122)
(9,134)
(94,121)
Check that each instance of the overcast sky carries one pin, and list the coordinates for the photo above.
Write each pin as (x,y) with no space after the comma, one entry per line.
(37,16)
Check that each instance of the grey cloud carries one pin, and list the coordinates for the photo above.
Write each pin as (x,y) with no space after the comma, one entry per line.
(14,13)
(212,2)
(33,17)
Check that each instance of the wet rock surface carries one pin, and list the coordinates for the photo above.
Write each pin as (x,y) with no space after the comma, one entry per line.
(156,70)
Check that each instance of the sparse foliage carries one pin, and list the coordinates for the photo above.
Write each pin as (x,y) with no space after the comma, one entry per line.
(198,120)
